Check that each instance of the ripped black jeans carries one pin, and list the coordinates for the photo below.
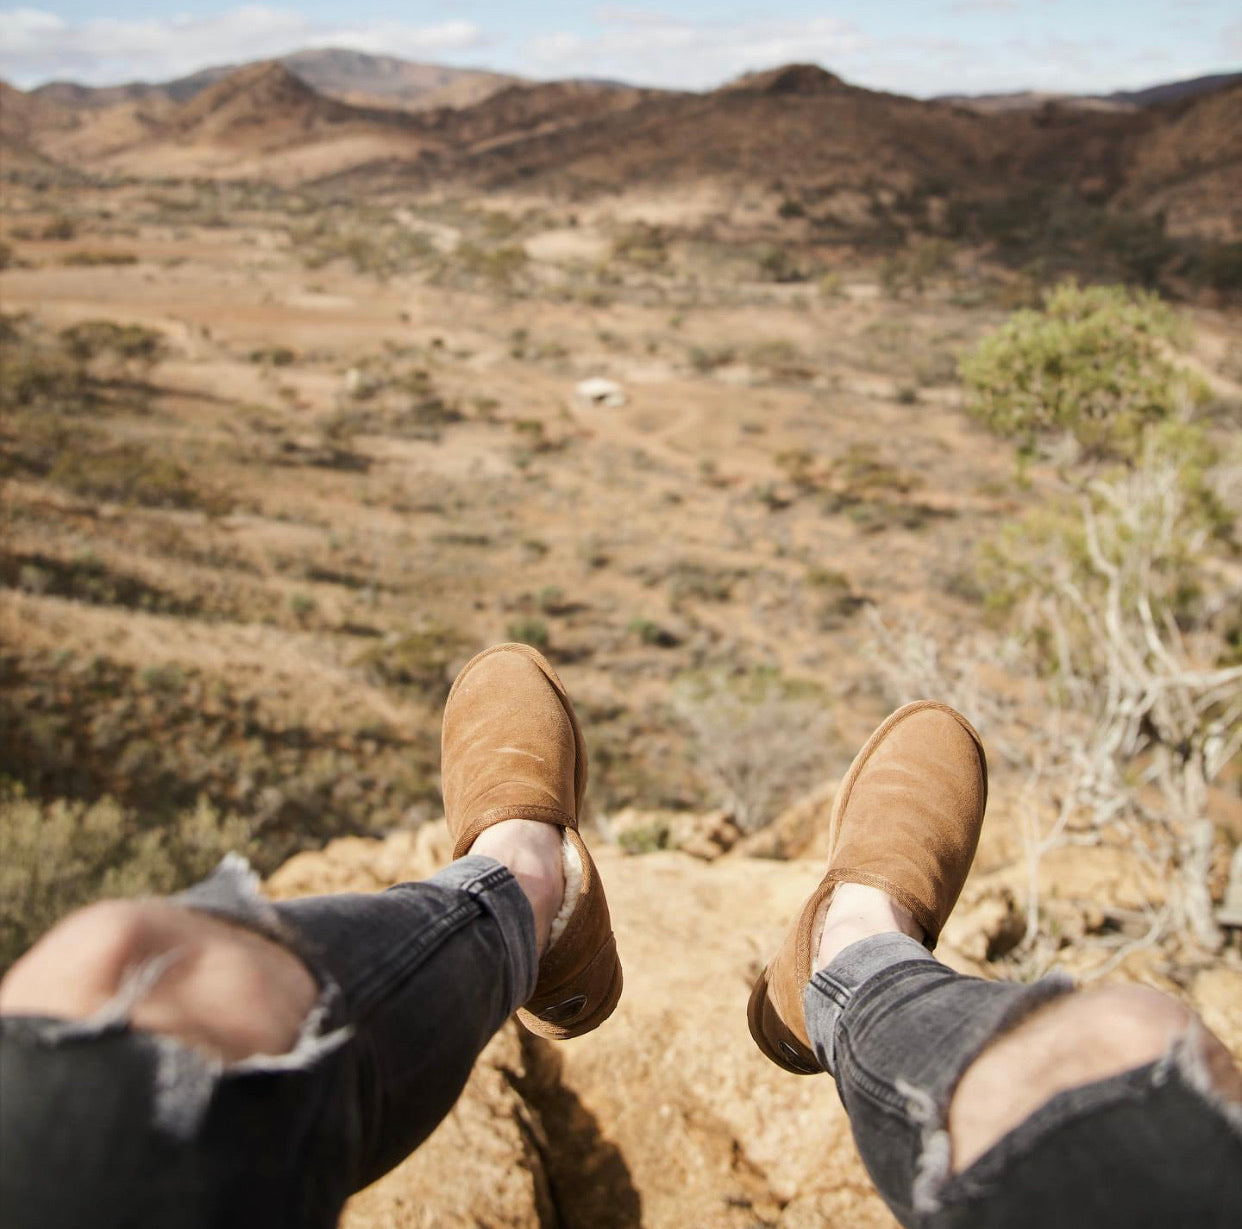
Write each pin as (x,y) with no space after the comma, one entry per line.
(105,1127)
(1151,1147)
(109,1127)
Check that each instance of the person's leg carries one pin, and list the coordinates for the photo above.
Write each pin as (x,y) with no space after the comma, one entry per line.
(182,1063)
(226,989)
(978,1103)
(219,1059)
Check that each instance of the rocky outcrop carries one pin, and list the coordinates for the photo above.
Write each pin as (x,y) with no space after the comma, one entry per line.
(667,1116)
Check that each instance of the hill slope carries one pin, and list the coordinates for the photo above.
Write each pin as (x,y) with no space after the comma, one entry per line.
(857,161)
(260,122)
(349,76)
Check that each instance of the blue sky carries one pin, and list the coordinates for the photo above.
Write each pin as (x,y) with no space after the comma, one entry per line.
(928,47)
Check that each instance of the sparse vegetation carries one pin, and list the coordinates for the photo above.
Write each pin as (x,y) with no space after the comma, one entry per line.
(1117,592)
(499,267)
(88,258)
(61,855)
(407,471)
(127,473)
(132,347)
(758,739)
(916,267)
(375,244)
(643,246)
(530,631)
(420,661)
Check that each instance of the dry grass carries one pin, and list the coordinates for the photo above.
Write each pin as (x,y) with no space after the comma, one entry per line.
(260,509)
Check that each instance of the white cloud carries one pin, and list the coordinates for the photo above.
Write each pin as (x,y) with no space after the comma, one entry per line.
(984,6)
(638,44)
(658,49)
(37,46)
(655,48)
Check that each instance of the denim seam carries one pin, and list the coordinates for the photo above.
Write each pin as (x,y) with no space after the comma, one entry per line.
(497,883)
(486,881)
(835,993)
(879,1090)
(415,952)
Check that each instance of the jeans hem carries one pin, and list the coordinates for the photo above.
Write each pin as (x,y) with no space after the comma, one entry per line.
(492,885)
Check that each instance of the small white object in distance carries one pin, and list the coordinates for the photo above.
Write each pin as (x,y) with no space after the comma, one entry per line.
(600,392)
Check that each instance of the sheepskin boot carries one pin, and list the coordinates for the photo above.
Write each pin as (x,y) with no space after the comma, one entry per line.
(512,749)
(906,820)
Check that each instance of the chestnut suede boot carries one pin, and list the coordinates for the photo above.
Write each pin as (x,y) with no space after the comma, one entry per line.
(906,820)
(512,749)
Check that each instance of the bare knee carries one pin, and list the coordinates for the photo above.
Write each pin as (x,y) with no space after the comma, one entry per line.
(76,967)
(219,987)
(1075,1040)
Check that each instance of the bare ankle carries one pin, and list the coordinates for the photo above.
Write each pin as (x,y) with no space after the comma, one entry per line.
(532,852)
(857,912)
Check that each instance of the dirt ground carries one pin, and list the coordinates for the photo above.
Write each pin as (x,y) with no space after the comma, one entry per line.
(363,458)
(668,1115)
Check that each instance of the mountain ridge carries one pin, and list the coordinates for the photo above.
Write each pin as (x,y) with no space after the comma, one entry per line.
(856,160)
(349,76)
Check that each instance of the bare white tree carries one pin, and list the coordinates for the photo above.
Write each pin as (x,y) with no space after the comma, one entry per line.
(1155,709)
(1137,718)
(915,661)
(756,743)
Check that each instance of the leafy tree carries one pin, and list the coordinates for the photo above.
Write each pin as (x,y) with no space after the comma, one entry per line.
(1094,363)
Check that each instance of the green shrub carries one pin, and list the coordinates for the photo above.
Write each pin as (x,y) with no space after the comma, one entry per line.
(530,631)
(126,343)
(35,377)
(375,244)
(649,838)
(126,473)
(62,855)
(1092,363)
(302,605)
(498,266)
(1155,521)
(551,599)
(641,245)
(88,259)
(651,633)
(421,661)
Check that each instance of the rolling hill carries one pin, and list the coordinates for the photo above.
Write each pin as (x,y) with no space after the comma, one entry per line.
(350,76)
(857,161)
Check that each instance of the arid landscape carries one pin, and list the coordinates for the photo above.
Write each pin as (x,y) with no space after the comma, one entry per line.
(311,390)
